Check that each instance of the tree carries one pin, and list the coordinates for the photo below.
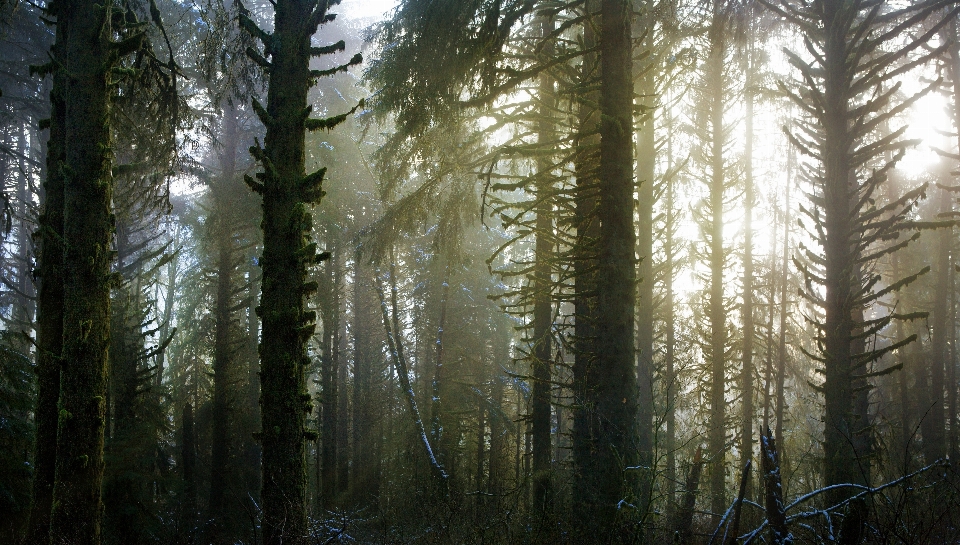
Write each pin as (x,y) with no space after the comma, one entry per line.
(610,394)
(49,304)
(87,55)
(716,166)
(846,94)
(287,192)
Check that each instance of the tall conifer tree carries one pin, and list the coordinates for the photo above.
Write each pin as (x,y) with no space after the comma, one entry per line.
(287,192)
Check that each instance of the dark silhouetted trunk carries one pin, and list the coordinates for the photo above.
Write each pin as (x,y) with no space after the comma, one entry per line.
(773,492)
(683,525)
(437,382)
(222,437)
(781,402)
(49,304)
(397,354)
(366,477)
(717,436)
(329,390)
(287,193)
(542,362)
(188,459)
(340,363)
(609,391)
(88,223)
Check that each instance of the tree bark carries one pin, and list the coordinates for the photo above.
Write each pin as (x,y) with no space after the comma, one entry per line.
(747,367)
(714,75)
(646,162)
(329,391)
(611,390)
(224,375)
(542,361)
(50,303)
(188,460)
(585,279)
(287,193)
(88,223)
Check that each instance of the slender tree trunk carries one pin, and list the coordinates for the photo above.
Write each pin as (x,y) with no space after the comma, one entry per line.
(329,393)
(188,458)
(340,364)
(481,456)
(542,361)
(670,374)
(714,73)
(49,303)
(934,430)
(88,222)
(497,444)
(436,384)
(252,448)
(781,403)
(395,346)
(646,162)
(366,475)
(122,521)
(224,379)
(747,368)
(952,365)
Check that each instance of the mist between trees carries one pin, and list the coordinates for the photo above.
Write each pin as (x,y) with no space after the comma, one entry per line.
(479,272)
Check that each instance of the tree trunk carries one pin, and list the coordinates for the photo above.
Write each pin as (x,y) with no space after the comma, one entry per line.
(395,346)
(365,475)
(842,280)
(49,304)
(611,390)
(781,403)
(188,459)
(585,279)
(436,384)
(714,75)
(340,364)
(252,449)
(88,222)
(542,361)
(329,391)
(224,375)
(670,374)
(287,194)
(747,368)
(646,162)
(120,489)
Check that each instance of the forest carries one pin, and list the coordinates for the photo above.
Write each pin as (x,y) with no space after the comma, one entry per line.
(297,272)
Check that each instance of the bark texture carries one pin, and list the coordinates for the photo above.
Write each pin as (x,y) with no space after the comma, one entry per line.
(88,224)
(49,306)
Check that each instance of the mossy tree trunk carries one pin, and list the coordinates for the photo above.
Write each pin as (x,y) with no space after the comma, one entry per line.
(542,361)
(88,224)
(188,463)
(49,305)
(609,392)
(288,193)
(585,277)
